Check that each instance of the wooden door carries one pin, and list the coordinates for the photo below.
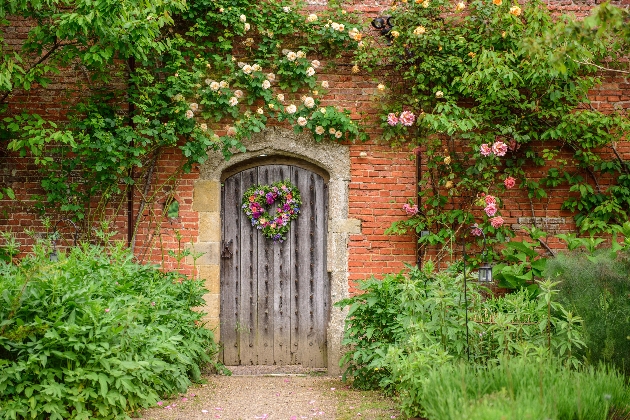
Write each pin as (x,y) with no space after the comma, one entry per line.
(275,297)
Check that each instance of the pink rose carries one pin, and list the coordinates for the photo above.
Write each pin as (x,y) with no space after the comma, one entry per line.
(392,119)
(476,231)
(407,118)
(496,222)
(490,199)
(411,210)
(485,150)
(509,182)
(491,209)
(499,148)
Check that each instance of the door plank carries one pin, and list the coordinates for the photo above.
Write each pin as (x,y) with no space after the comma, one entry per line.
(248,315)
(230,271)
(264,293)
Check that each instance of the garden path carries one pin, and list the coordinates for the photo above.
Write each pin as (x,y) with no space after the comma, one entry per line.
(273,396)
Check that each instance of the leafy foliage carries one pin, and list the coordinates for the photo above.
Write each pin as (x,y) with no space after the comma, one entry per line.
(496,108)
(96,335)
(419,319)
(596,287)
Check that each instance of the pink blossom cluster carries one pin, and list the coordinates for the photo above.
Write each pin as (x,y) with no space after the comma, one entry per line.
(496,222)
(406,118)
(509,182)
(491,205)
(411,210)
(498,148)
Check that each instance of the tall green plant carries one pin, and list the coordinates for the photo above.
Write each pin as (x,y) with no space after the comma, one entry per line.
(96,335)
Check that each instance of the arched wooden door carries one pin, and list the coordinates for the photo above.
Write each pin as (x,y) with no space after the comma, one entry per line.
(275,297)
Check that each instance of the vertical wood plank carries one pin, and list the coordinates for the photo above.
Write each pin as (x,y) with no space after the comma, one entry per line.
(230,270)
(264,341)
(248,315)
(281,287)
(320,295)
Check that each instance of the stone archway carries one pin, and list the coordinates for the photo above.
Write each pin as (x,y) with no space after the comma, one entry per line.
(334,160)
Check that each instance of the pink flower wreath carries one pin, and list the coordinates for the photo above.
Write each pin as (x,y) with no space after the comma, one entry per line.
(257,199)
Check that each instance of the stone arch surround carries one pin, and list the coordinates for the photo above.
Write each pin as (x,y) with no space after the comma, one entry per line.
(334,159)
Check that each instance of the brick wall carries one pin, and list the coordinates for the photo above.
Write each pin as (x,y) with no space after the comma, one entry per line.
(382,178)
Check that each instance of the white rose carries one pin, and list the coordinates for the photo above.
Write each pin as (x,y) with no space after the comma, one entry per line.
(243,18)
(319,130)
(310,71)
(286,9)
(341,27)
(280,97)
(302,121)
(247,69)
(233,101)
(208,81)
(271,77)
(215,86)
(291,109)
(309,102)
(331,130)
(315,64)
(312,17)
(194,107)
(338,134)
(247,27)
(265,84)
(322,110)
(439,94)
(224,84)
(325,84)
(301,54)
(335,26)
(256,67)
(238,93)
(189,114)
(260,111)
(204,127)
(240,64)
(291,56)
(380,87)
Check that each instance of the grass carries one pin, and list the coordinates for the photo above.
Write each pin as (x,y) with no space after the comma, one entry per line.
(353,403)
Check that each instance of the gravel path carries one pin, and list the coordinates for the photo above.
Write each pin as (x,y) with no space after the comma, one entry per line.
(274,396)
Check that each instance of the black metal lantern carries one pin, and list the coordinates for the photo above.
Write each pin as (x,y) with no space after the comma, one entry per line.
(385,25)
(485,273)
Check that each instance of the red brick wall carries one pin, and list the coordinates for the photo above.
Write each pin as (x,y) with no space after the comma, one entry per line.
(382,178)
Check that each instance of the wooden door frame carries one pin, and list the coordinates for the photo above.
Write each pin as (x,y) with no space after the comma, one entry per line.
(329,158)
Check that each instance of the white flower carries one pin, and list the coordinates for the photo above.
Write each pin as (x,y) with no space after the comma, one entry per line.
(331,130)
(338,134)
(460,6)
(240,64)
(325,84)
(355,34)
(194,107)
(280,97)
(301,54)
(291,109)
(233,101)
(335,26)
(302,121)
(285,51)
(224,84)
(247,26)
(439,94)
(419,30)
(309,102)
(291,56)
(341,27)
(238,93)
(315,64)
(204,127)
(243,18)
(322,110)
(271,77)
(319,130)
(256,67)
(260,111)
(231,131)
(310,71)
(215,86)
(247,69)
(286,9)
(380,87)
(189,114)
(311,18)
(265,84)
(208,81)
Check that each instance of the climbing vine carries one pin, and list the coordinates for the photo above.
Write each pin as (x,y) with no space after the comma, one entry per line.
(199,76)
(494,109)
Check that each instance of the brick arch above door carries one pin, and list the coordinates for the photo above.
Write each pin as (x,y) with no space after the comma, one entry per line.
(332,160)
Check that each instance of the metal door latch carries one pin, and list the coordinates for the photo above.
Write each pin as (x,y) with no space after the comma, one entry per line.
(226,253)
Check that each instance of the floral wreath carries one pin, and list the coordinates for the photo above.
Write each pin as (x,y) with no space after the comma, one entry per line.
(259,197)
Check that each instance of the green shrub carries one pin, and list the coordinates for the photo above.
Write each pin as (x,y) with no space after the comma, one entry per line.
(516,388)
(416,321)
(95,335)
(597,287)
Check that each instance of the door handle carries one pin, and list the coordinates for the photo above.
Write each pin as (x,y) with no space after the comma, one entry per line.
(226,252)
